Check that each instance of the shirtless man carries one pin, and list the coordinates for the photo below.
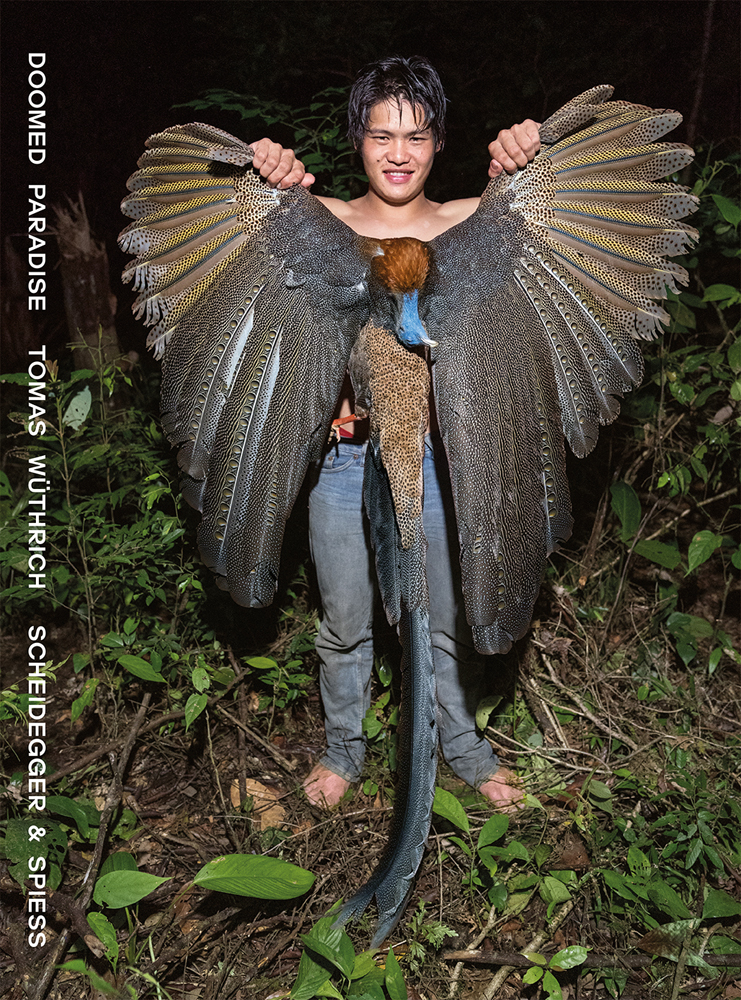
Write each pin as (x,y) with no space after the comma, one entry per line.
(397,138)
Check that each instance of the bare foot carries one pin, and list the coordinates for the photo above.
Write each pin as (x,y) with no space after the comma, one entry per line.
(504,789)
(324,788)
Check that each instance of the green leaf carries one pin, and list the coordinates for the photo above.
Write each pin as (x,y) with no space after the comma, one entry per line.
(551,986)
(484,710)
(728,209)
(667,899)
(394,980)
(311,977)
(121,861)
(140,668)
(105,932)
(702,546)
(254,875)
(193,708)
(533,975)
(734,355)
(719,904)
(552,890)
(447,805)
(638,863)
(493,829)
(364,965)
(63,806)
(569,958)
(664,555)
(124,888)
(627,506)
(726,294)
(78,409)
(96,981)
(332,943)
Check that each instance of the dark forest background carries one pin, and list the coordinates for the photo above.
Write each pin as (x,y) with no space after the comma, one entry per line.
(115,70)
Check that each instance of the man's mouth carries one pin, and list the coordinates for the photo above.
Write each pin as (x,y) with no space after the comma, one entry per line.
(398,176)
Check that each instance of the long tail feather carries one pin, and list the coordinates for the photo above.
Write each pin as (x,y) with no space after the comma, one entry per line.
(393,879)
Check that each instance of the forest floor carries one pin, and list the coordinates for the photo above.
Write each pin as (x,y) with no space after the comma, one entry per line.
(632,765)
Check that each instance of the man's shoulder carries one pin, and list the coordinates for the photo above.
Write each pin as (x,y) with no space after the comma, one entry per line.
(342,209)
(457,210)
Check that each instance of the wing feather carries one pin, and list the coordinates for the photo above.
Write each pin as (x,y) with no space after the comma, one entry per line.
(535,303)
(255,298)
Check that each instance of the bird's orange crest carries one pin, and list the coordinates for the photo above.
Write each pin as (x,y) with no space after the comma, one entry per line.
(403,264)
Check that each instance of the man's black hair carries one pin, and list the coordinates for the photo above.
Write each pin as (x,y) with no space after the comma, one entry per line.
(414,80)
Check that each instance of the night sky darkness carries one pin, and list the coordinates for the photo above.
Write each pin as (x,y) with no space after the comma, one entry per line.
(114,70)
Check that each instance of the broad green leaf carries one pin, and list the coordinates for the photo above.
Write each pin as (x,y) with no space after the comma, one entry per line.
(63,806)
(140,668)
(493,829)
(551,986)
(262,663)
(730,211)
(254,875)
(734,355)
(569,958)
(311,977)
(620,885)
(78,409)
(535,957)
(658,552)
(193,708)
(484,710)
(638,863)
(96,981)
(332,943)
(719,904)
(702,546)
(667,899)
(364,965)
(121,861)
(533,975)
(395,984)
(105,932)
(124,888)
(627,506)
(447,805)
(726,294)
(552,890)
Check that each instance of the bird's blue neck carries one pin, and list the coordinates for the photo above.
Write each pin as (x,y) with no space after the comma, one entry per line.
(410,330)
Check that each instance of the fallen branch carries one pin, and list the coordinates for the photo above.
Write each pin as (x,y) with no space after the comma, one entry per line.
(518,961)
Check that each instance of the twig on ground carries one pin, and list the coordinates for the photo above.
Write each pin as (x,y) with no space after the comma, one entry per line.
(611,731)
(516,960)
(277,756)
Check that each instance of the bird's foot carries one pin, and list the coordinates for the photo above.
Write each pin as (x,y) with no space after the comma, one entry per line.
(324,788)
(504,790)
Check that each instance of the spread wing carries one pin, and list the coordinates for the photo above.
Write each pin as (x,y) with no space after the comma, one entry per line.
(536,303)
(255,297)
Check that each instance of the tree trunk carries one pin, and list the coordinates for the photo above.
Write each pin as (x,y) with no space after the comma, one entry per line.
(89,303)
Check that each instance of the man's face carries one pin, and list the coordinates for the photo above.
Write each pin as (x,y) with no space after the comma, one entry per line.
(397,152)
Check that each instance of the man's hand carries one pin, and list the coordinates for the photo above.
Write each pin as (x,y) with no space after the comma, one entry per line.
(514,147)
(279,166)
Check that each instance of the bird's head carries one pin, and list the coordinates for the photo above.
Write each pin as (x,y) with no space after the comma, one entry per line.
(401,266)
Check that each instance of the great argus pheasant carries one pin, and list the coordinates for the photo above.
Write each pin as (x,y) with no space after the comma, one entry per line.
(526,314)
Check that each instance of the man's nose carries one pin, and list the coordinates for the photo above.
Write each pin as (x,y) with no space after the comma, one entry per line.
(398,152)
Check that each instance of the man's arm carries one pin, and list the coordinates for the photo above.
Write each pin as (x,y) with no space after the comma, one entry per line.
(280,167)
(514,147)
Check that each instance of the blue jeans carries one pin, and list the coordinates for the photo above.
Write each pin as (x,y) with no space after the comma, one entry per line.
(340,548)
